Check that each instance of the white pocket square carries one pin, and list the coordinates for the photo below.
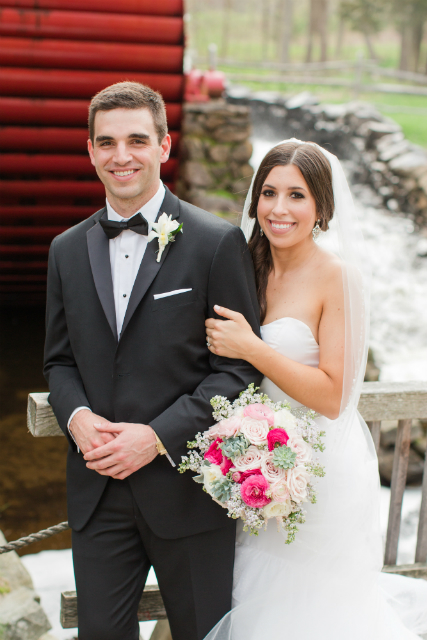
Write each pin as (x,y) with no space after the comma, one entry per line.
(170,293)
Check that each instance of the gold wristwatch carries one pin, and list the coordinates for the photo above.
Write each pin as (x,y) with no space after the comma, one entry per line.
(161,449)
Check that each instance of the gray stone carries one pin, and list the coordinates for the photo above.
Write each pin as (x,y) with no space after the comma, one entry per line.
(21,616)
(334,111)
(422,180)
(406,164)
(231,133)
(394,150)
(219,152)
(242,152)
(387,141)
(13,574)
(192,148)
(303,99)
(197,175)
(268,97)
(374,130)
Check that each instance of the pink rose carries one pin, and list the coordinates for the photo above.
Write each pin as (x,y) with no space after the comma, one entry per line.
(226,465)
(297,481)
(226,428)
(236,476)
(250,460)
(301,448)
(271,472)
(276,436)
(259,412)
(256,431)
(280,491)
(253,491)
(214,453)
(247,474)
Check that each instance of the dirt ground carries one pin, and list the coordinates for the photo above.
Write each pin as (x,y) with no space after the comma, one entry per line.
(32,470)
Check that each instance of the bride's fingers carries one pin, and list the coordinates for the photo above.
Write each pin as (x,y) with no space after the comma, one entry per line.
(228,313)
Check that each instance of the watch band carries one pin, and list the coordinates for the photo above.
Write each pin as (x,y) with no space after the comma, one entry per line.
(161,449)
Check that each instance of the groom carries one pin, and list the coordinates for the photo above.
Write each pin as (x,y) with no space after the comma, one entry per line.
(130,379)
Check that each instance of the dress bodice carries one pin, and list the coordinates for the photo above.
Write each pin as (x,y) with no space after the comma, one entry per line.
(291,338)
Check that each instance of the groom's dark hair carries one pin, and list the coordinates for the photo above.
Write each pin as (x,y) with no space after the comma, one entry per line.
(129,95)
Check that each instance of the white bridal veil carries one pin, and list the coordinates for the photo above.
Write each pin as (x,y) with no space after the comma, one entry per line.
(327,584)
(344,238)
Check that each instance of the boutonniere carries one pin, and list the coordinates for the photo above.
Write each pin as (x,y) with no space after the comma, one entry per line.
(165,229)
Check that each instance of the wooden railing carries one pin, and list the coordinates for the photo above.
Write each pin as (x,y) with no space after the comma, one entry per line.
(379,401)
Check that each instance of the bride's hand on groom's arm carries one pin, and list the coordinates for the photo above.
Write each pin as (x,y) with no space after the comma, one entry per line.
(133,447)
(232,337)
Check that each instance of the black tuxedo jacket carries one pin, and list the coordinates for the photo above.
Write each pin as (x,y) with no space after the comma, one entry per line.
(160,371)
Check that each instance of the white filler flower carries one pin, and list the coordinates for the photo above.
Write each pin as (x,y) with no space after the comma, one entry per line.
(165,229)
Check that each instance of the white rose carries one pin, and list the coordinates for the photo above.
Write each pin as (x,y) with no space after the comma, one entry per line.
(280,491)
(301,448)
(269,471)
(297,480)
(210,473)
(277,509)
(285,420)
(252,459)
(238,412)
(256,431)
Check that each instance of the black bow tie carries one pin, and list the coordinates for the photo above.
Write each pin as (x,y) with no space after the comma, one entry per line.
(113,229)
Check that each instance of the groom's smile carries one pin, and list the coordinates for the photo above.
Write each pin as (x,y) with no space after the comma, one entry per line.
(127,155)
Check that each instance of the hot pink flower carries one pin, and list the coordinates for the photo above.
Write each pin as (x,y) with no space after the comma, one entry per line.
(226,465)
(247,474)
(276,436)
(259,412)
(214,453)
(253,491)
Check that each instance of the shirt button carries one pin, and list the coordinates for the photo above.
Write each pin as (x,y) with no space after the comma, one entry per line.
(126,256)
(124,295)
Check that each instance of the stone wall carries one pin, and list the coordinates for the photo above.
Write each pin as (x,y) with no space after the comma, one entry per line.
(215,173)
(374,146)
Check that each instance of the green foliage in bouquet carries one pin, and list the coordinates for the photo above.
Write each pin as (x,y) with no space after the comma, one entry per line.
(233,447)
(221,489)
(284,457)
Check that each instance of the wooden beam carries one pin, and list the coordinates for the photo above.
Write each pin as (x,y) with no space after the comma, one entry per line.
(379,401)
(421,551)
(398,484)
(150,607)
(417,570)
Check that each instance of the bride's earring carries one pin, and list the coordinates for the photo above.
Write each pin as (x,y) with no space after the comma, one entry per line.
(316,230)
(261,232)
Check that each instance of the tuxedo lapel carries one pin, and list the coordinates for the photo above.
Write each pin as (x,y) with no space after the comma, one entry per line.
(99,257)
(149,266)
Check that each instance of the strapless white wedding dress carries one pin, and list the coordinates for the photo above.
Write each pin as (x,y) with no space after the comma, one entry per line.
(327,585)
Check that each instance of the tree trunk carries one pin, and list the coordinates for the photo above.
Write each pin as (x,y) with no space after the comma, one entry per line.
(370,46)
(318,25)
(287,27)
(340,38)
(323,29)
(226,28)
(311,30)
(410,46)
(265,28)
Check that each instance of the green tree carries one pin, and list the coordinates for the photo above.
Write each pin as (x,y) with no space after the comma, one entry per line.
(365,16)
(410,17)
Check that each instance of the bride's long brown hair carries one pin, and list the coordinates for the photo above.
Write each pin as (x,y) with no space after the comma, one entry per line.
(317,173)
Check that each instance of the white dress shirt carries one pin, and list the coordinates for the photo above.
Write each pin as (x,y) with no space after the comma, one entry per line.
(126,253)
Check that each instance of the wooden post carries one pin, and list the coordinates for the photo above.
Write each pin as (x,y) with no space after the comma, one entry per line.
(398,483)
(375,427)
(421,551)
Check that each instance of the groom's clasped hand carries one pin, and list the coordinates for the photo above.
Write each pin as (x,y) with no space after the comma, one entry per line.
(113,449)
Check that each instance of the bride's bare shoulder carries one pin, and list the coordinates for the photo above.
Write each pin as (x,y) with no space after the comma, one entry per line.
(330,272)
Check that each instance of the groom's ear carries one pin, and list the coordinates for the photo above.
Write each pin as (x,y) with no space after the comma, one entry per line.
(90,150)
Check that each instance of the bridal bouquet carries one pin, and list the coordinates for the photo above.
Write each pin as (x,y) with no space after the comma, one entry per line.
(258,460)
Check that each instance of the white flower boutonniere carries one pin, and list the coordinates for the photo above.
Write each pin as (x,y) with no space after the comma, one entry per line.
(165,229)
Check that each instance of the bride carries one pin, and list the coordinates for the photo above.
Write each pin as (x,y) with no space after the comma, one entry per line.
(327,585)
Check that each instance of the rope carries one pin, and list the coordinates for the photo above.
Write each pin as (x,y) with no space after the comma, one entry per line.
(34,537)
